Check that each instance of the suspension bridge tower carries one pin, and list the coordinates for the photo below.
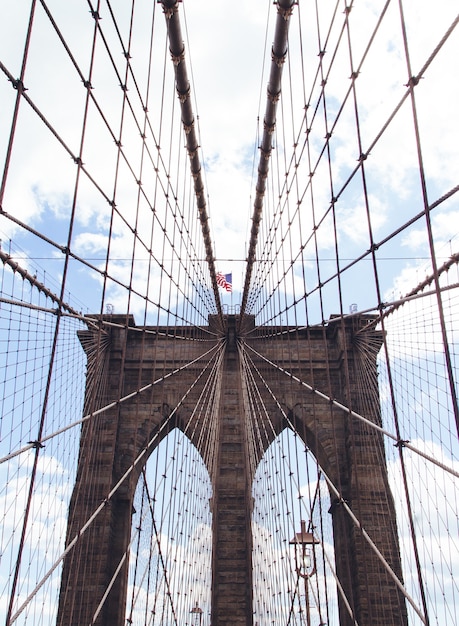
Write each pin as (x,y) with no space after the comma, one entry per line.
(157,457)
(351,454)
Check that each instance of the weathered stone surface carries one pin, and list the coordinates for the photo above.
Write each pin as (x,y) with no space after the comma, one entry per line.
(330,359)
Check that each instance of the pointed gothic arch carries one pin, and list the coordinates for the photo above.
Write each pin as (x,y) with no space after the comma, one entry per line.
(116,445)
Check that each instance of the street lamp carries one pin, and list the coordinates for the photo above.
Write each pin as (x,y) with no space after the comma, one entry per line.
(305,564)
(197,621)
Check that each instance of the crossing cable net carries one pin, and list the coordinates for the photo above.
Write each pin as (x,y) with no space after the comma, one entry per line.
(101,233)
(97,199)
(357,216)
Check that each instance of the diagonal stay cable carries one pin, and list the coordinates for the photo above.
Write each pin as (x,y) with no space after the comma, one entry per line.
(342,407)
(279,53)
(7,259)
(140,457)
(373,546)
(111,405)
(251,365)
(357,522)
(153,495)
(158,542)
(177,50)
(287,419)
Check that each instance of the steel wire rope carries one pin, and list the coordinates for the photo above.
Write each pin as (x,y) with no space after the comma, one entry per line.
(127,55)
(423,381)
(146,574)
(282,298)
(320,394)
(111,582)
(340,589)
(111,405)
(294,348)
(335,198)
(162,562)
(135,227)
(196,108)
(288,456)
(164,523)
(74,256)
(208,436)
(311,191)
(384,310)
(291,268)
(95,385)
(157,479)
(295,522)
(370,542)
(280,197)
(112,491)
(167,167)
(269,266)
(295,185)
(281,462)
(183,522)
(381,307)
(317,498)
(257,143)
(285,505)
(286,418)
(356,435)
(139,528)
(294,144)
(178,514)
(327,591)
(165,515)
(279,51)
(118,142)
(26,412)
(376,282)
(278,263)
(268,269)
(170,8)
(53,350)
(250,421)
(190,514)
(250,366)
(41,235)
(297,212)
(209,383)
(375,549)
(18,84)
(82,562)
(411,83)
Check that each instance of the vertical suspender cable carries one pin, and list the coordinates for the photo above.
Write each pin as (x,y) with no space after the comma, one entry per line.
(279,53)
(177,50)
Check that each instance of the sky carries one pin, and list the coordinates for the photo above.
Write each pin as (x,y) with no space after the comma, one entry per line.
(228,57)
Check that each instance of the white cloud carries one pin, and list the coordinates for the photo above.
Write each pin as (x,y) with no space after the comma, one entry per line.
(434,502)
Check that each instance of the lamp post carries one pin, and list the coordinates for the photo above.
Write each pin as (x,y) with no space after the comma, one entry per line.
(197,612)
(305,564)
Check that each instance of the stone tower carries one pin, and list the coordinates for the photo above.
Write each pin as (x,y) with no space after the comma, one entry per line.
(122,360)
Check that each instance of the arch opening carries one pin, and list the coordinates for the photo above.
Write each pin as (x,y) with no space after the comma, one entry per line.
(288,488)
(170,548)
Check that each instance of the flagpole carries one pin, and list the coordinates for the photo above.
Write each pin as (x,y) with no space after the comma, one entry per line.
(232,310)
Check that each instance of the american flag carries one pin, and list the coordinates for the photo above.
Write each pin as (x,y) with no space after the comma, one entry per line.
(225,281)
